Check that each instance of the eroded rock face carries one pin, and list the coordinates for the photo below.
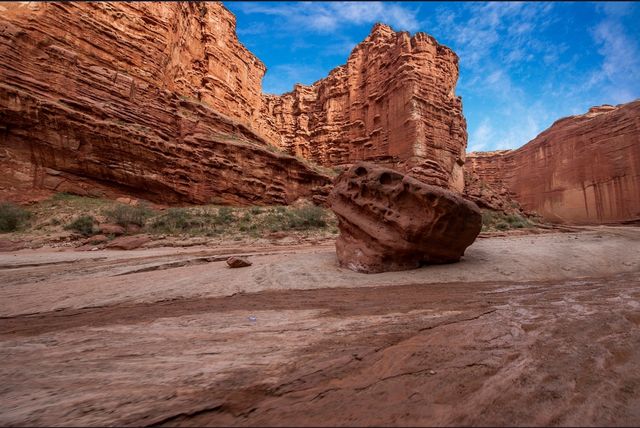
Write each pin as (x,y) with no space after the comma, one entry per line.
(161,101)
(584,169)
(390,221)
(493,196)
(393,103)
(156,100)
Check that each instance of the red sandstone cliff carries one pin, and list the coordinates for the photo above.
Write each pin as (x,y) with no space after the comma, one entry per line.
(584,169)
(392,103)
(150,99)
(161,100)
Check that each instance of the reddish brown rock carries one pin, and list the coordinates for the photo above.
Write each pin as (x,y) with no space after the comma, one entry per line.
(390,221)
(238,262)
(152,100)
(393,103)
(132,229)
(584,169)
(96,239)
(128,242)
(490,196)
(111,229)
(161,101)
(7,245)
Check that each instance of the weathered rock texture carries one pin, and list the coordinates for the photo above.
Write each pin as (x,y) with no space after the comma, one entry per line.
(393,103)
(161,101)
(584,169)
(493,197)
(145,99)
(390,221)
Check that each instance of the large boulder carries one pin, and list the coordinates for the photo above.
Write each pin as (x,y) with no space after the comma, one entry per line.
(390,221)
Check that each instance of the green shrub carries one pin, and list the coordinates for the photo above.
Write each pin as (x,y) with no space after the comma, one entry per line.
(276,220)
(174,220)
(63,196)
(307,217)
(125,215)
(502,226)
(82,225)
(303,218)
(12,216)
(225,215)
(255,210)
(500,221)
(517,222)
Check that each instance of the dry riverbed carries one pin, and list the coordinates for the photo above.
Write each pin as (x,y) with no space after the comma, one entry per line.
(532,329)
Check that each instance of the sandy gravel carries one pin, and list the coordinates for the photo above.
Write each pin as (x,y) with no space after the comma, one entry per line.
(35,281)
(526,330)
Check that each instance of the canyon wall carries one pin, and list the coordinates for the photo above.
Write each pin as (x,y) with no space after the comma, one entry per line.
(154,100)
(393,103)
(161,101)
(584,169)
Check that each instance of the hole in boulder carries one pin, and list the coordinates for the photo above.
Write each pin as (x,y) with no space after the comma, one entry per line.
(360,171)
(385,178)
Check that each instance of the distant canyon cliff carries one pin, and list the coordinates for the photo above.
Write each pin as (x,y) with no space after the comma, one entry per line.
(584,169)
(161,101)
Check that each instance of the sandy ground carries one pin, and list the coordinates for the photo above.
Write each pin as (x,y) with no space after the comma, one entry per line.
(526,330)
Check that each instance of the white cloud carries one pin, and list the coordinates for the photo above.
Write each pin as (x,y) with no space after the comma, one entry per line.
(494,77)
(258,28)
(330,16)
(496,133)
(482,138)
(619,73)
(516,136)
(276,80)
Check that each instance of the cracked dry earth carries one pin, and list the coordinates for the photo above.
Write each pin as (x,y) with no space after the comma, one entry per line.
(526,330)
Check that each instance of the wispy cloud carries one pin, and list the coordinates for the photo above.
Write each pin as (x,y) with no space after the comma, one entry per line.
(620,69)
(257,28)
(329,16)
(496,41)
(523,65)
(277,81)
(482,138)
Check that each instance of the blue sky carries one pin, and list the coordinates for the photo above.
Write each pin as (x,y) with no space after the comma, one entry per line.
(523,65)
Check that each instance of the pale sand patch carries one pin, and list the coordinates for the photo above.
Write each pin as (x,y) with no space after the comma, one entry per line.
(78,280)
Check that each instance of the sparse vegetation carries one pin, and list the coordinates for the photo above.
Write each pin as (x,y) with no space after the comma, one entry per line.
(12,217)
(173,221)
(296,218)
(254,221)
(82,215)
(225,215)
(125,215)
(495,220)
(82,224)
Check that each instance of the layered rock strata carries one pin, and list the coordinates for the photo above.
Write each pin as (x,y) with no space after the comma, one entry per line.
(145,99)
(584,169)
(393,103)
(390,221)
(161,101)
(490,196)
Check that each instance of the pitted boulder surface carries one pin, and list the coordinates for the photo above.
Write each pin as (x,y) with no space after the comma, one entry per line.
(390,221)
